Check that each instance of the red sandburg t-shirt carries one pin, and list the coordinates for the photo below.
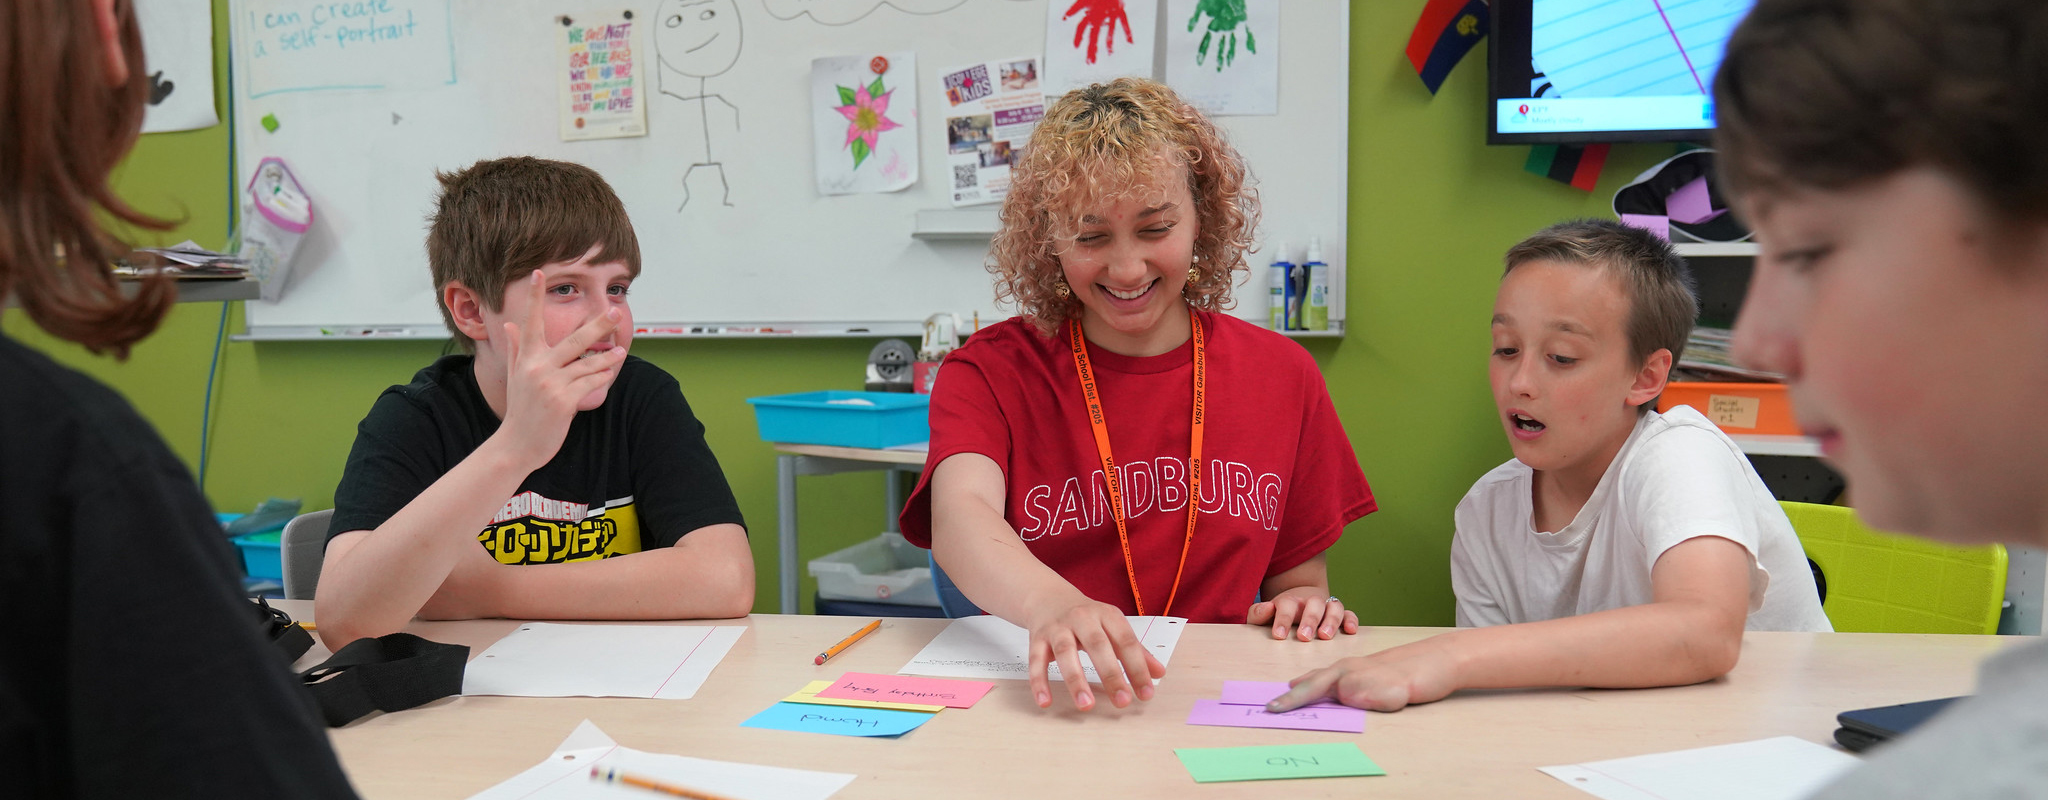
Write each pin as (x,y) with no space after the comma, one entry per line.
(1280,483)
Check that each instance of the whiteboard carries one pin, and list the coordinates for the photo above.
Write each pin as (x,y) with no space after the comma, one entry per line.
(426,85)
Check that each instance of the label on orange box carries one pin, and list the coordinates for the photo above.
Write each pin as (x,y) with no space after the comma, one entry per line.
(1733,411)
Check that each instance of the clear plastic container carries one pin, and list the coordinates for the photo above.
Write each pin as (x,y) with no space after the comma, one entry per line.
(885,569)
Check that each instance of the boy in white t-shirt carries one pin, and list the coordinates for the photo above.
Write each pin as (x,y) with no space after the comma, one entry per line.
(1621,547)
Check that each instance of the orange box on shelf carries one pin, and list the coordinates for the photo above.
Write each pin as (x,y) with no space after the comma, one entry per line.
(1736,407)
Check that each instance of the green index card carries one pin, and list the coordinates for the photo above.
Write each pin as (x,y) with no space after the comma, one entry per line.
(1276,762)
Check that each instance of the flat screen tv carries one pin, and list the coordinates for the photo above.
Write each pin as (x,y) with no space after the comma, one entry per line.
(1583,71)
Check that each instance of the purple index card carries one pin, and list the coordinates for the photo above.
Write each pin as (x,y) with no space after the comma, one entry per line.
(1257,693)
(1693,203)
(1312,718)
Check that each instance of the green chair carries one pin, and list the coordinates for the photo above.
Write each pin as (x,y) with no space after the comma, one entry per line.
(1875,582)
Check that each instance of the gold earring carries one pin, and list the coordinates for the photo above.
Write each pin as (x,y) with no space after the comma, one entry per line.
(1194,275)
(1060,289)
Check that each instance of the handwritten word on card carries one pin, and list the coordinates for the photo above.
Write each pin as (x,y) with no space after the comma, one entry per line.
(838,720)
(809,694)
(1258,693)
(1278,762)
(907,689)
(1310,718)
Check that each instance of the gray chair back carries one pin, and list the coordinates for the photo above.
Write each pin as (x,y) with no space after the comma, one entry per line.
(302,547)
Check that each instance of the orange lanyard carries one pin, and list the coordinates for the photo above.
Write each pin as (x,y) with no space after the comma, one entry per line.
(1093,396)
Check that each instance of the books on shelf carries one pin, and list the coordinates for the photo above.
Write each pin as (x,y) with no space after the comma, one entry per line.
(1707,358)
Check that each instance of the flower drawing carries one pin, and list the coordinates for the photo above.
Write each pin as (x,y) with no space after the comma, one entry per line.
(866,109)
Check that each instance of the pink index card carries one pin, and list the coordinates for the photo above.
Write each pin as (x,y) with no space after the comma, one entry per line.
(1692,203)
(1649,222)
(907,689)
(1258,693)
(1311,718)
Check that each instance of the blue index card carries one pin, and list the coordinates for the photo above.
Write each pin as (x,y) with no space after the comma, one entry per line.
(842,720)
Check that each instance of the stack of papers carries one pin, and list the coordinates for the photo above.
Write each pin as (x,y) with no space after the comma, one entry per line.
(1780,768)
(545,659)
(989,648)
(864,704)
(188,261)
(1707,358)
(566,774)
(1243,705)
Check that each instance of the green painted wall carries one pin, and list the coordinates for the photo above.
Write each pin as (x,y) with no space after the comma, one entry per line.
(1432,208)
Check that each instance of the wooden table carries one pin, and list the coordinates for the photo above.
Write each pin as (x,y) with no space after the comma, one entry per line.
(1475,744)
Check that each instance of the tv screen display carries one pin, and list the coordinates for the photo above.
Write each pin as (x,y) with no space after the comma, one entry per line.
(1581,71)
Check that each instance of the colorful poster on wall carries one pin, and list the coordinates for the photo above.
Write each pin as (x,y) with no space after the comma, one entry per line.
(1092,41)
(864,122)
(598,70)
(992,108)
(178,36)
(1224,55)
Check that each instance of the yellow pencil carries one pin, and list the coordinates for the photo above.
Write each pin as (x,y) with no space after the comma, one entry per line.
(609,775)
(848,641)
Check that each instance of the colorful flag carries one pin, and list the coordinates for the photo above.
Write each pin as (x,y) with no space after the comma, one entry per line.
(1565,163)
(1447,31)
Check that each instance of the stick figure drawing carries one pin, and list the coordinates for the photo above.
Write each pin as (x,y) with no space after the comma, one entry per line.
(695,41)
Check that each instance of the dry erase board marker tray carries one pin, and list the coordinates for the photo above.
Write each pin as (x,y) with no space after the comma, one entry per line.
(843,419)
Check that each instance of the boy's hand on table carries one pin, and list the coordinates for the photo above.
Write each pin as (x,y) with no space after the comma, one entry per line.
(1384,681)
(1101,630)
(543,383)
(1306,610)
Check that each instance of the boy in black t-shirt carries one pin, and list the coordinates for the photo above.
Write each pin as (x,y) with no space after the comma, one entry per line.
(548,475)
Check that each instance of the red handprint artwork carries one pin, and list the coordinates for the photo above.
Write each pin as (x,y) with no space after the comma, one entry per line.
(1098,17)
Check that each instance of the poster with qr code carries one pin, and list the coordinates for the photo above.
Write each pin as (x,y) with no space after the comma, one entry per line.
(992,107)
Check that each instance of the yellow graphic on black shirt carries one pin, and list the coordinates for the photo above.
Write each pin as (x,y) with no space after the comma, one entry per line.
(532,540)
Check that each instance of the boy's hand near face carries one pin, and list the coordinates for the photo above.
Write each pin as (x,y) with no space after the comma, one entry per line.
(544,382)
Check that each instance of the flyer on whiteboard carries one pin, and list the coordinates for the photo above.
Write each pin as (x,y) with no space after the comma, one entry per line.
(602,93)
(992,107)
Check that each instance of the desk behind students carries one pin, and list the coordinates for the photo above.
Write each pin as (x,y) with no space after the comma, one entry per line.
(1479,744)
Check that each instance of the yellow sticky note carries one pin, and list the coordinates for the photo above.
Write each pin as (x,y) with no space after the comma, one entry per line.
(809,694)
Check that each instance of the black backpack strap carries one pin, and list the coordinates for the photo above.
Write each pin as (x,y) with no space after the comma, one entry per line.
(291,640)
(387,673)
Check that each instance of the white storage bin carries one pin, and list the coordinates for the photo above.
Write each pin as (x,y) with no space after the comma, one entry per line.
(885,569)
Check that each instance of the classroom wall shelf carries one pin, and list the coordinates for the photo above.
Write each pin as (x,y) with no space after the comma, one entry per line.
(957,224)
(209,291)
(1766,445)
(1717,249)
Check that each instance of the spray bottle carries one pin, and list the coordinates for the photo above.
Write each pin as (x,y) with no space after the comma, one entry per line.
(1277,287)
(1317,315)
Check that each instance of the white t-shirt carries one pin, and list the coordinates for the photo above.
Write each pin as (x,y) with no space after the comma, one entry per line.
(1677,477)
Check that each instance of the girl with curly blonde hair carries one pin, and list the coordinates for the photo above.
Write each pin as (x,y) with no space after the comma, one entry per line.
(1122,447)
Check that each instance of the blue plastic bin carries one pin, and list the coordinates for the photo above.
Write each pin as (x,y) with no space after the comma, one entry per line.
(844,419)
(261,555)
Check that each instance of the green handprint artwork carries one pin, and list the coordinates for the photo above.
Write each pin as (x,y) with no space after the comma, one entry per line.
(1225,17)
